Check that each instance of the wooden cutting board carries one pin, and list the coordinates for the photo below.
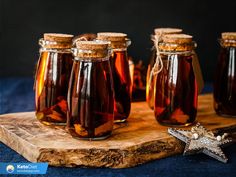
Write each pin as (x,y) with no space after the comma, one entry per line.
(138,141)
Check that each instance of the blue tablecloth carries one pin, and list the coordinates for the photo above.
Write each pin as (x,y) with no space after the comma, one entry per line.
(16,95)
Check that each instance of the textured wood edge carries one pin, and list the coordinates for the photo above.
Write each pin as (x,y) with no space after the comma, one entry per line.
(31,153)
(112,158)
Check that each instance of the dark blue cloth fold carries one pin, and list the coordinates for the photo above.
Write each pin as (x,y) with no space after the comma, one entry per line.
(16,95)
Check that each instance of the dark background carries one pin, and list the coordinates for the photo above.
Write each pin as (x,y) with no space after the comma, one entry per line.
(23,22)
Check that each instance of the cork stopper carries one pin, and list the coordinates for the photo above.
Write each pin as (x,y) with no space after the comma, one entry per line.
(118,41)
(159,31)
(92,45)
(177,38)
(58,37)
(228,39)
(92,49)
(56,40)
(111,36)
(177,42)
(228,35)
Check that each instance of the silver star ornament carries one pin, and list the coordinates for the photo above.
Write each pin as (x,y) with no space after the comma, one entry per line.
(201,140)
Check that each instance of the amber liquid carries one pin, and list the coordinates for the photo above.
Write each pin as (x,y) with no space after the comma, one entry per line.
(150,84)
(91,100)
(176,92)
(122,85)
(51,85)
(225,83)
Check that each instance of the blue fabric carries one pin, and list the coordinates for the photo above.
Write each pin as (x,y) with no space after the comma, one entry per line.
(17,95)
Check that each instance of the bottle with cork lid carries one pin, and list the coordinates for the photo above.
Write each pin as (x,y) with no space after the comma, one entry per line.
(150,78)
(91,92)
(225,76)
(176,89)
(52,78)
(120,72)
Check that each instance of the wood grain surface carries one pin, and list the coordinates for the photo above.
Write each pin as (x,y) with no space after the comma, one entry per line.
(139,140)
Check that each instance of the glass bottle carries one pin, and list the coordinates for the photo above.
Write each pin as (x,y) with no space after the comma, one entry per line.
(156,38)
(120,72)
(225,77)
(176,90)
(91,92)
(52,78)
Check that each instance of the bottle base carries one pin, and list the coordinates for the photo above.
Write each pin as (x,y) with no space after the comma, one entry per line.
(50,119)
(53,123)
(176,125)
(94,138)
(224,110)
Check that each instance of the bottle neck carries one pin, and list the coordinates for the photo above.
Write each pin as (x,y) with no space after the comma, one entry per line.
(91,55)
(53,50)
(119,50)
(90,59)
(176,48)
(118,45)
(54,46)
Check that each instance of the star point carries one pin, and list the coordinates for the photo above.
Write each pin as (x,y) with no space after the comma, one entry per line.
(201,140)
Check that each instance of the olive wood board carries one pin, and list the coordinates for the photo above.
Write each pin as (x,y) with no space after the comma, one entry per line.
(139,140)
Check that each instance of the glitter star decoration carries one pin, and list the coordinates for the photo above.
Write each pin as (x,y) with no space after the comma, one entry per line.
(201,140)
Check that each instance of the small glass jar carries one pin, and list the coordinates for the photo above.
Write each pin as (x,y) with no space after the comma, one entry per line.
(176,90)
(150,79)
(120,72)
(52,78)
(225,77)
(91,92)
